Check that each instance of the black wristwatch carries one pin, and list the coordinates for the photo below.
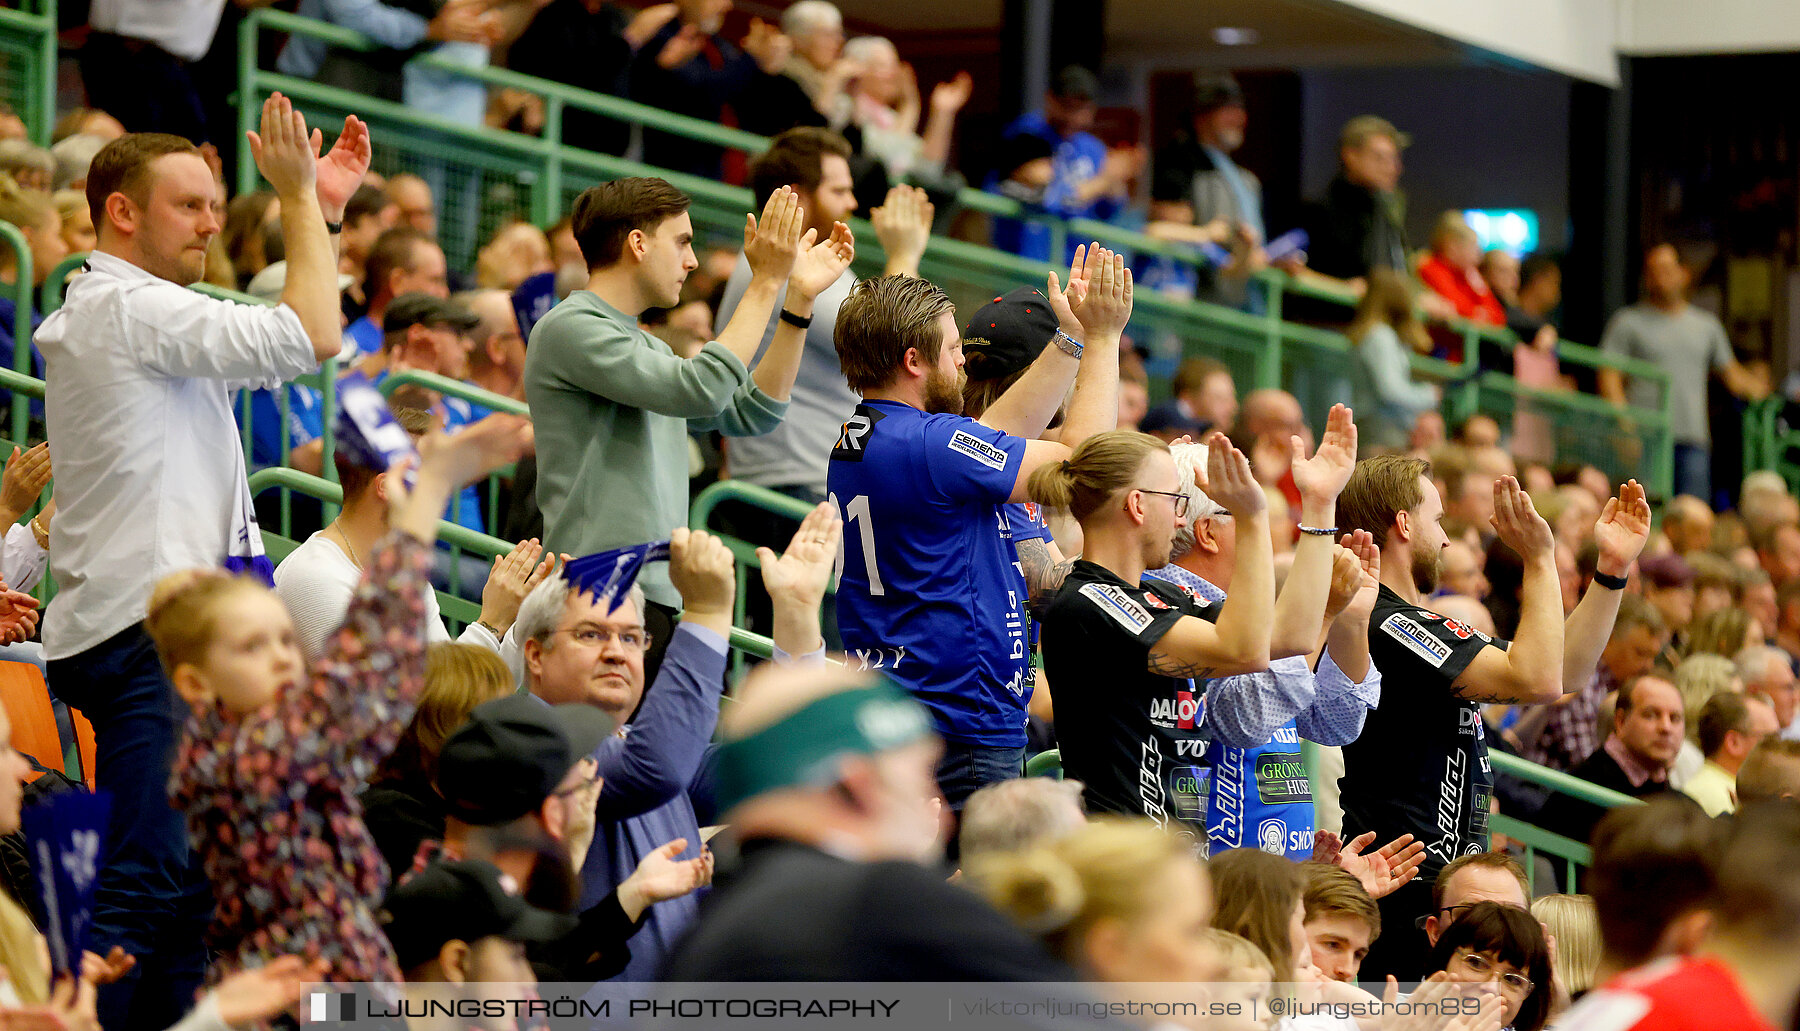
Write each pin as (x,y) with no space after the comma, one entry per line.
(802,321)
(1616,583)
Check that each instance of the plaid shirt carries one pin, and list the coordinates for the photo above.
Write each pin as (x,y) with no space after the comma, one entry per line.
(271,801)
(1572,732)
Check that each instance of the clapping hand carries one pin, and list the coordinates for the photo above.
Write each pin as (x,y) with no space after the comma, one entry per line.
(266,992)
(903,227)
(18,615)
(27,473)
(818,265)
(1361,544)
(1623,528)
(1382,872)
(1517,522)
(798,577)
(1064,300)
(283,150)
(1106,307)
(511,581)
(1227,479)
(660,876)
(772,243)
(1322,477)
(340,171)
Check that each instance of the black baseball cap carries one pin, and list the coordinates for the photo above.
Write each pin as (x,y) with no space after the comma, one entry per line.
(421,309)
(462,900)
(1007,334)
(512,754)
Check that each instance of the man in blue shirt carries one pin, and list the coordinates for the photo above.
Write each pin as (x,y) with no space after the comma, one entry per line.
(929,591)
(1087,180)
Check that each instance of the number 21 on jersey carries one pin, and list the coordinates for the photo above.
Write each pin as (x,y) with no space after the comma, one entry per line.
(857,512)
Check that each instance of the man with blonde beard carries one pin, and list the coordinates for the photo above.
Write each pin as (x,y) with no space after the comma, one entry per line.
(1420,766)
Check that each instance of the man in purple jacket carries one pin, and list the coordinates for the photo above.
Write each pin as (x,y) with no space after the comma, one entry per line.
(578,652)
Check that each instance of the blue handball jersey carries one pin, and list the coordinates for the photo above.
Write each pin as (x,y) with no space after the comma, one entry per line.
(930,591)
(1261,797)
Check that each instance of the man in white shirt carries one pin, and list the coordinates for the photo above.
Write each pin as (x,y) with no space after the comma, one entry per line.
(150,480)
(318,579)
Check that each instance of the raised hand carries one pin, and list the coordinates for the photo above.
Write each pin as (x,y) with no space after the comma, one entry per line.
(477,449)
(818,265)
(950,96)
(772,243)
(283,150)
(799,575)
(1063,300)
(1361,543)
(1227,479)
(1517,522)
(767,46)
(250,996)
(1106,307)
(1322,477)
(27,473)
(1383,872)
(341,169)
(1346,580)
(903,227)
(1620,534)
(682,47)
(511,581)
(701,569)
(463,21)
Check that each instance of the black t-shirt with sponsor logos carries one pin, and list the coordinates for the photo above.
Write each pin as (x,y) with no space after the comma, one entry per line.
(1420,766)
(1136,739)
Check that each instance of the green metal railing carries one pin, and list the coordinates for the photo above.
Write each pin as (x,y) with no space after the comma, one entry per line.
(513,174)
(700,515)
(459,611)
(28,65)
(22,297)
(1574,854)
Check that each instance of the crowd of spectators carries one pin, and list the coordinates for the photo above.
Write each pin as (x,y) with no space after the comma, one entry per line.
(313,782)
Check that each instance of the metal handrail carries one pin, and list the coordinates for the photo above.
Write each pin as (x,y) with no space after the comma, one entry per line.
(452,388)
(21,327)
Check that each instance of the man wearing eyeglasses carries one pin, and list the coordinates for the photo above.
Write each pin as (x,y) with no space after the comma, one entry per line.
(1482,877)
(1136,658)
(1267,797)
(576,651)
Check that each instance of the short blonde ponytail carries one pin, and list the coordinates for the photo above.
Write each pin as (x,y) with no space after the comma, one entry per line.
(1101,466)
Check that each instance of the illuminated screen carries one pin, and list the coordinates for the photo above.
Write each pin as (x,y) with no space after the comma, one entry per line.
(1510,229)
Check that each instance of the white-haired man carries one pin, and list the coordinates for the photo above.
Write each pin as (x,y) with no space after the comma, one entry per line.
(576,651)
(1261,797)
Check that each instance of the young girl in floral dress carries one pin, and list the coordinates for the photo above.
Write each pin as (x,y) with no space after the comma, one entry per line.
(274,756)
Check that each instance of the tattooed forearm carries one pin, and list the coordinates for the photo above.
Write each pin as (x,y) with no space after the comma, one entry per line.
(1167,666)
(1043,574)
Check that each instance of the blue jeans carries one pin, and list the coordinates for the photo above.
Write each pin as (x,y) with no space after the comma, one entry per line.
(966,769)
(153,899)
(1693,470)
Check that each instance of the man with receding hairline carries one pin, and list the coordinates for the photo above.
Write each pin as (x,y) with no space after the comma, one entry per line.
(150,478)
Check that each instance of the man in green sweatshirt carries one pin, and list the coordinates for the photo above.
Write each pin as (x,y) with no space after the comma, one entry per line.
(612,404)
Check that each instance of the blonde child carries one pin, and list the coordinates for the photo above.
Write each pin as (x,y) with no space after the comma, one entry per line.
(274,756)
